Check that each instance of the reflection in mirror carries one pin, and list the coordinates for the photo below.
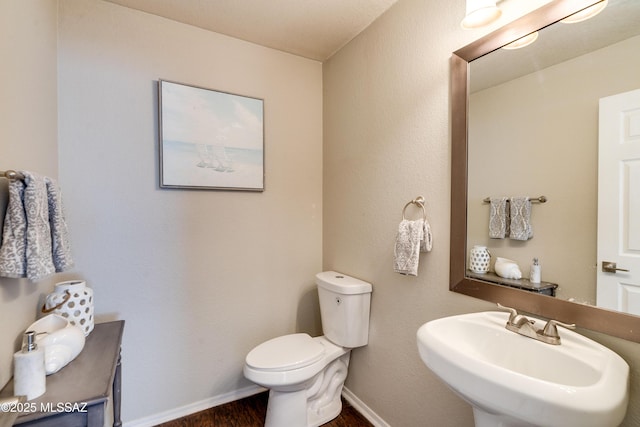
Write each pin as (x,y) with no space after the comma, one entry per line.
(533,129)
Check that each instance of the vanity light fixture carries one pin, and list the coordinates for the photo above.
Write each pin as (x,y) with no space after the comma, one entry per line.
(587,13)
(522,41)
(480,13)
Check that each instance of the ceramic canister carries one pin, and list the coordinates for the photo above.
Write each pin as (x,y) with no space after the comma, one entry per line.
(479,258)
(72,300)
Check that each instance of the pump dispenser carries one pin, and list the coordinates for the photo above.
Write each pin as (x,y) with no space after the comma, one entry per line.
(534,273)
(29,377)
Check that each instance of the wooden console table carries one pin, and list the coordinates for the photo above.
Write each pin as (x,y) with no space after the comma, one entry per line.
(80,393)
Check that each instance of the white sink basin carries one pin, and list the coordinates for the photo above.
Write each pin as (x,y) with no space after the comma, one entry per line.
(513,380)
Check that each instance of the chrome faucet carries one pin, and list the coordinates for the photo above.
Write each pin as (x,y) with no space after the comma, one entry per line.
(519,324)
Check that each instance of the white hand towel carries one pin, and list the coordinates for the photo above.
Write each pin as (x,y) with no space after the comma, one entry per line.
(427,240)
(407,248)
(498,218)
(520,223)
(13,262)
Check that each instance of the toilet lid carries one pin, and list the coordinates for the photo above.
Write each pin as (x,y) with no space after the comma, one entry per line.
(286,352)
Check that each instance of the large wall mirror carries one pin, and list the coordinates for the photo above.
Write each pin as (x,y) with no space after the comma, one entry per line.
(545,120)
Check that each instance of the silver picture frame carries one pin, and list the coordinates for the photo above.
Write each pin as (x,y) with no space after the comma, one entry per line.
(209,139)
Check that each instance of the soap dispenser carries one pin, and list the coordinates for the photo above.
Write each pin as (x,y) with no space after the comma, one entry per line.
(534,273)
(29,376)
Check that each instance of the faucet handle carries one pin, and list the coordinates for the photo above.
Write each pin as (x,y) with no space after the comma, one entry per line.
(550,329)
(513,313)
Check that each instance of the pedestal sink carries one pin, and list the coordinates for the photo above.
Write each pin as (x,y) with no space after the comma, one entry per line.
(512,380)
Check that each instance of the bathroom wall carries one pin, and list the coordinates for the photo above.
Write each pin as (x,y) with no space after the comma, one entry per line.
(386,132)
(28,139)
(200,277)
(565,228)
(387,140)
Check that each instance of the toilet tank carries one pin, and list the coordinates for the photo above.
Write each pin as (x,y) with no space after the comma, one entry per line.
(344,308)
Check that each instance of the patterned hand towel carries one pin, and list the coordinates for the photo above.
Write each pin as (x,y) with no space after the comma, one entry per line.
(520,224)
(407,248)
(60,247)
(498,218)
(427,240)
(35,237)
(36,206)
(13,262)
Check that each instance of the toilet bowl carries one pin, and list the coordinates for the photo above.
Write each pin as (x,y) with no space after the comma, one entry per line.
(294,368)
(305,375)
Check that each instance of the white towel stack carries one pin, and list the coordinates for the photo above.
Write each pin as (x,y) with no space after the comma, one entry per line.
(35,240)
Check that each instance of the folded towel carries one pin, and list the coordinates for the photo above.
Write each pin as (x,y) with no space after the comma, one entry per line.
(35,236)
(60,246)
(498,218)
(407,248)
(520,224)
(427,240)
(14,234)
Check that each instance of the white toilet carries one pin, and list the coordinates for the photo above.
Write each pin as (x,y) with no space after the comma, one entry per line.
(305,375)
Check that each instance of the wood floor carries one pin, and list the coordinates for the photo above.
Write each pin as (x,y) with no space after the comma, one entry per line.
(250,412)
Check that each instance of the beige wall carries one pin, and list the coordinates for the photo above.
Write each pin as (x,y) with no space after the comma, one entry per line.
(558,159)
(386,132)
(28,138)
(200,277)
(387,140)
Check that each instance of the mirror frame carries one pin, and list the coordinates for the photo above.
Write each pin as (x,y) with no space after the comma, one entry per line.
(610,322)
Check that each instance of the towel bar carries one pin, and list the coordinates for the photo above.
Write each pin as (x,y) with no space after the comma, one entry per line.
(12,175)
(541,199)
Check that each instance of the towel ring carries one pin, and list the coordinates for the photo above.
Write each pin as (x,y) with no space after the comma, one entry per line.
(418,201)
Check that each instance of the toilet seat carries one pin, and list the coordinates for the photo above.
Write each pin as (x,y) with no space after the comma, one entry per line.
(285,353)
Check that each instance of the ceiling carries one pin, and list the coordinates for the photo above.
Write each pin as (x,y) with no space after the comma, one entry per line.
(314,29)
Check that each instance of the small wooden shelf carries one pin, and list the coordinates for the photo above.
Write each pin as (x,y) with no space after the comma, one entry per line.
(544,288)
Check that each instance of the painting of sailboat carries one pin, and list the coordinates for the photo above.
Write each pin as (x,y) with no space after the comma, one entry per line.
(210,139)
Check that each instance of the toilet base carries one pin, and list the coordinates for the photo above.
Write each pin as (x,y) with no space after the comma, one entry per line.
(314,405)
(286,408)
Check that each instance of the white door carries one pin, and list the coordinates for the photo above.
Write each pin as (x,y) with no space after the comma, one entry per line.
(619,202)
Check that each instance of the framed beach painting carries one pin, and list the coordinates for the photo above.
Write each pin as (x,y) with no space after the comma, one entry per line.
(210,139)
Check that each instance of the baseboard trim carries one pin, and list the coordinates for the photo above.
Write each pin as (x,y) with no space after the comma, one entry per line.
(192,408)
(202,405)
(361,407)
